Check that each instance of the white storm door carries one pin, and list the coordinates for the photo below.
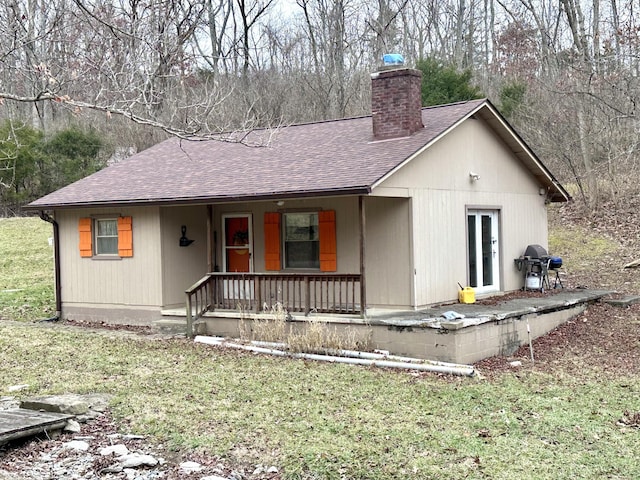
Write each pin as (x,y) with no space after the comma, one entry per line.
(237,243)
(483,250)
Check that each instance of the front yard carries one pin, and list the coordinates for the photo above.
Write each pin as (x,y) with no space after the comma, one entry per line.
(329,421)
(569,415)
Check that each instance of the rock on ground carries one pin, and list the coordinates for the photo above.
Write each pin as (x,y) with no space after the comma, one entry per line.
(100,452)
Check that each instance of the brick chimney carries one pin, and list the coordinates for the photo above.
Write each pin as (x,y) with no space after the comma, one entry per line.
(396,102)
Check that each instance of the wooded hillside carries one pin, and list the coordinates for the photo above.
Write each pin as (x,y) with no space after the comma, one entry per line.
(564,72)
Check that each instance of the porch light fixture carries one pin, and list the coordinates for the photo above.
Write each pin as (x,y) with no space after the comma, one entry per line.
(280,203)
(542,191)
(184,241)
(474,177)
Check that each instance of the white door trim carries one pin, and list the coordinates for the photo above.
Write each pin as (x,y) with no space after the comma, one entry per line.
(483,249)
(249,246)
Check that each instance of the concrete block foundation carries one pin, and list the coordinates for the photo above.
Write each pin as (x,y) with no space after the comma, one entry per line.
(482,331)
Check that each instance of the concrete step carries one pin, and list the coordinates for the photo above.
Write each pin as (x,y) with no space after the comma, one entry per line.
(174,326)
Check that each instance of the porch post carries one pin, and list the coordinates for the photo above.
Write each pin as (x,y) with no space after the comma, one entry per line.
(363,286)
(189,317)
(210,245)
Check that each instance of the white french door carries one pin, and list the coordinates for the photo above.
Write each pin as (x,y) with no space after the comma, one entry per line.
(483,250)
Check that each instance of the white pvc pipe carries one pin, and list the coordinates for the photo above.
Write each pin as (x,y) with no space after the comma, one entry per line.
(208,340)
(369,355)
(452,369)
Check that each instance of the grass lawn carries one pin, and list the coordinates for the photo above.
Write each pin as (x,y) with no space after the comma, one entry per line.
(322,421)
(331,421)
(26,269)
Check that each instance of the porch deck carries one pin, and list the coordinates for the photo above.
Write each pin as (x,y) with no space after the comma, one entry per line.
(481,330)
(486,311)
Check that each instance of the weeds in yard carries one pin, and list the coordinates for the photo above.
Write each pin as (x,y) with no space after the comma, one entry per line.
(270,328)
(244,326)
(319,336)
(313,335)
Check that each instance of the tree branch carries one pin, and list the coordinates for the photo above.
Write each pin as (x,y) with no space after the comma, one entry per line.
(186,133)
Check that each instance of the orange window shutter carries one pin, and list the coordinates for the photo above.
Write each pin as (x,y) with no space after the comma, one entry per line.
(85,236)
(125,237)
(272,259)
(328,246)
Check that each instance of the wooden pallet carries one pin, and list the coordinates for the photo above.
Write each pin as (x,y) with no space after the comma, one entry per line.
(20,422)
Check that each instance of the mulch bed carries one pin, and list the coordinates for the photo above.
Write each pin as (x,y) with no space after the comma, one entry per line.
(142,330)
(604,336)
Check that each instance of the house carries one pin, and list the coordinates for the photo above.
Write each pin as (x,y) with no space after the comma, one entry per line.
(388,212)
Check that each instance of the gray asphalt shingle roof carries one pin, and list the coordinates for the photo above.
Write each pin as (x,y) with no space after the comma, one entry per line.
(321,158)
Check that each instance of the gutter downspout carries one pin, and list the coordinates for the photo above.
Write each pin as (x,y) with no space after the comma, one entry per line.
(56,262)
(363,257)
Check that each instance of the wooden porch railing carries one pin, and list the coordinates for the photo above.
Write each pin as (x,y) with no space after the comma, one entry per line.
(322,293)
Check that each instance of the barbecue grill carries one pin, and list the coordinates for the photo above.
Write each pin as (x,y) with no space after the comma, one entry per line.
(535,265)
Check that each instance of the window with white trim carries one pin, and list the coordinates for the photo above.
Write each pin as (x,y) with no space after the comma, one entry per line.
(301,240)
(106,240)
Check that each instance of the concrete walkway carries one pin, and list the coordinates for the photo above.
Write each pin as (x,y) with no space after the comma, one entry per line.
(442,316)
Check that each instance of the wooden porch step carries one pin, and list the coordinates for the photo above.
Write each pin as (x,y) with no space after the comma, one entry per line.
(21,422)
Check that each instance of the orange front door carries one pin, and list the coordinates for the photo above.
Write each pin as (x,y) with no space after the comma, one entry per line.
(237,243)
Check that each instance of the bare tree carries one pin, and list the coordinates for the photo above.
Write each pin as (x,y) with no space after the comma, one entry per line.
(198,68)
(213,42)
(134,60)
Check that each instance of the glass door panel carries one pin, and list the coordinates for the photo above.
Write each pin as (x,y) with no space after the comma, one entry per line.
(483,250)
(237,243)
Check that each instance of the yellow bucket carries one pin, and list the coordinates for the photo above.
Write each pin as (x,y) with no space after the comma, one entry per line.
(467,295)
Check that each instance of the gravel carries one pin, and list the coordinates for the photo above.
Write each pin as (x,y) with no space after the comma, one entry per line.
(99,452)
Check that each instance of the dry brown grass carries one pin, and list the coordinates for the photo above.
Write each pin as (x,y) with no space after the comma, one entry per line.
(313,335)
(319,336)
(271,328)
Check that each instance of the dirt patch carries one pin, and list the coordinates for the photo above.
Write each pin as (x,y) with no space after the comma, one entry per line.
(139,329)
(603,337)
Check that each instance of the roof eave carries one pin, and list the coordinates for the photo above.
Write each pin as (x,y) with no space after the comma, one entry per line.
(350,191)
(555,191)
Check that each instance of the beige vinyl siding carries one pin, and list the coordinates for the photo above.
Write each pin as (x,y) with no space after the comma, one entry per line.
(347,227)
(438,182)
(92,282)
(441,248)
(182,266)
(388,252)
(471,147)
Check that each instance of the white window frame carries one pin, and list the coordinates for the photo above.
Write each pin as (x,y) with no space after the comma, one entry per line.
(285,241)
(248,246)
(96,236)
